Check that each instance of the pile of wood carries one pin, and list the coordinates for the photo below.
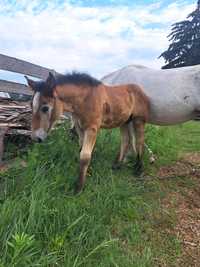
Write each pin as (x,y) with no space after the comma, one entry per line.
(16,116)
(15,119)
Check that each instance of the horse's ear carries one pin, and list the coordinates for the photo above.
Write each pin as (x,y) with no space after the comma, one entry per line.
(30,83)
(51,82)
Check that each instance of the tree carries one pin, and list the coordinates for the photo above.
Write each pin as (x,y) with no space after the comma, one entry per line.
(185,47)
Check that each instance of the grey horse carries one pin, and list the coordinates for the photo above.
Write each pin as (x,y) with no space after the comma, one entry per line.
(174,93)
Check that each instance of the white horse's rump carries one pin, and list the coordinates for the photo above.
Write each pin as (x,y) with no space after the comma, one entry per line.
(174,94)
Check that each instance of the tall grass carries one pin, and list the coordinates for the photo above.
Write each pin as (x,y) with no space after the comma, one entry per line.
(117,220)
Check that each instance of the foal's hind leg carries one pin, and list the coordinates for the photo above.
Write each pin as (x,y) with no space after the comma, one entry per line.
(123,146)
(152,157)
(139,131)
(132,138)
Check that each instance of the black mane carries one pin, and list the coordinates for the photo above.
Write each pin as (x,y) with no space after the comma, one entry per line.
(39,86)
(77,78)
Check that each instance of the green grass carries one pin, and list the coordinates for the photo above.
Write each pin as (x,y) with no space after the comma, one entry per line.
(117,221)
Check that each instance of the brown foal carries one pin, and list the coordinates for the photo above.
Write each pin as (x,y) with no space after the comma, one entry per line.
(93,106)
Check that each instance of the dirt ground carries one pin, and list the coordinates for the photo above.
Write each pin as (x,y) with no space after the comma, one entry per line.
(186,207)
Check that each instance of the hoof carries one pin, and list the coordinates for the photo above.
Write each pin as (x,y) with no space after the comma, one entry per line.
(138,169)
(78,188)
(138,172)
(116,166)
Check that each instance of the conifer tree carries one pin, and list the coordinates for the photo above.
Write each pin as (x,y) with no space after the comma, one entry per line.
(184,49)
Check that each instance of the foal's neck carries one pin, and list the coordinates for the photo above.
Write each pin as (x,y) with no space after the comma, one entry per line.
(72,96)
(58,109)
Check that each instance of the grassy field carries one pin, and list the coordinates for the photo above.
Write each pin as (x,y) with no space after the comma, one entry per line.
(117,221)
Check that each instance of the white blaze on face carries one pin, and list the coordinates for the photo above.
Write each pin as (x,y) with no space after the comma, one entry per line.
(36,101)
(41,122)
(39,133)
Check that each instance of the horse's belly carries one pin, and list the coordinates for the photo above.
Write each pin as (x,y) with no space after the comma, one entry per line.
(114,121)
(169,114)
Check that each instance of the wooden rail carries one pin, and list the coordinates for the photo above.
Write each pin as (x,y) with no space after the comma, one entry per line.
(12,64)
(23,67)
(12,87)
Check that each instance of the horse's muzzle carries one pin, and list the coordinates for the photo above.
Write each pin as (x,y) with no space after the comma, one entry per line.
(39,135)
(39,140)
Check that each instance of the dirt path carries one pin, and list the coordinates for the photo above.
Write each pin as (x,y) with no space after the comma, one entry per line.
(186,204)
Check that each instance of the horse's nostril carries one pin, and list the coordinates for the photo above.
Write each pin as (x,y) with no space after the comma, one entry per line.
(39,140)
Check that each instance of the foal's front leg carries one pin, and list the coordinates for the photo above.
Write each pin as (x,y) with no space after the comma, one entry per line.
(89,139)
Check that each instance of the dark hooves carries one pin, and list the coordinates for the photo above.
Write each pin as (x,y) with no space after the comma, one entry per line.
(116,166)
(78,188)
(138,168)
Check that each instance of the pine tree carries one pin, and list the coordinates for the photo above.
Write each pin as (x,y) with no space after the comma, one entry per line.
(185,47)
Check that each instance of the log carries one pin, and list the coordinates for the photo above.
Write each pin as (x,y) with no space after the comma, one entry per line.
(18,132)
(12,106)
(2,125)
(14,116)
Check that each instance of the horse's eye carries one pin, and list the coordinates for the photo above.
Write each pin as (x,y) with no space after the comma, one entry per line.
(44,109)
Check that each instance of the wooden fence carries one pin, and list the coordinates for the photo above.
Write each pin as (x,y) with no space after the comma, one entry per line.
(23,67)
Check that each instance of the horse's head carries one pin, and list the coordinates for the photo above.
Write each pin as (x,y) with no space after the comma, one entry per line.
(46,108)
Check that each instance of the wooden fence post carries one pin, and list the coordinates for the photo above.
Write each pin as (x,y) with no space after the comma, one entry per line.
(3,131)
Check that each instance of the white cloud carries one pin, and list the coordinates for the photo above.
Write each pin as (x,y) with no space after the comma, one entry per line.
(95,39)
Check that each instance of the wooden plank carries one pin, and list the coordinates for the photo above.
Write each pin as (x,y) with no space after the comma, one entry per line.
(23,67)
(18,132)
(12,87)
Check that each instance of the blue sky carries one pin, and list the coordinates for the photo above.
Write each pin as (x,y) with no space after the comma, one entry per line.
(96,36)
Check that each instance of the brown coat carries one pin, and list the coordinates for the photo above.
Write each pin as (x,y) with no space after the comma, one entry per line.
(94,106)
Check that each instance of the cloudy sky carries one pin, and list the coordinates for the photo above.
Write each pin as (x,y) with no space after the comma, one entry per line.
(97,36)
